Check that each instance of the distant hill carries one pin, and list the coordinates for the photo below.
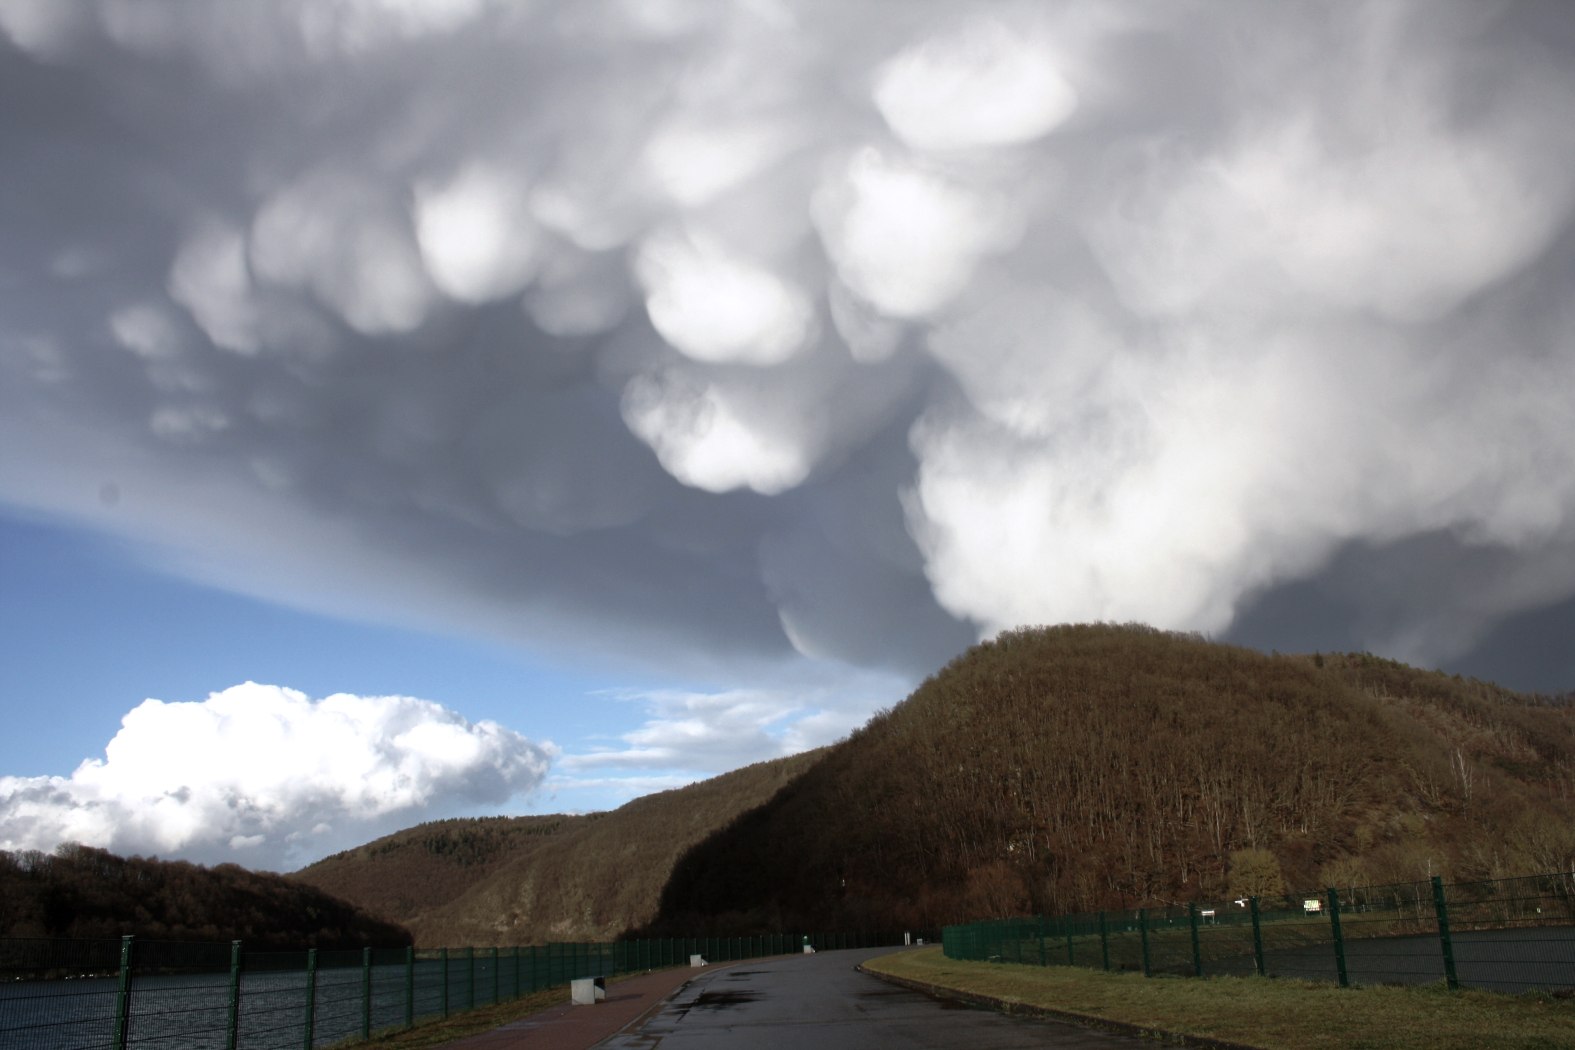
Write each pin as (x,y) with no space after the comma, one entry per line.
(1052,770)
(1080,768)
(79,891)
(525,880)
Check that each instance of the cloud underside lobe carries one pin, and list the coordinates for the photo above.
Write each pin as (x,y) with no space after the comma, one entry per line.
(844,330)
(270,777)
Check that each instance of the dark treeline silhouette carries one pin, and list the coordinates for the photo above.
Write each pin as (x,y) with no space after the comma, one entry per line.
(1091,767)
(79,891)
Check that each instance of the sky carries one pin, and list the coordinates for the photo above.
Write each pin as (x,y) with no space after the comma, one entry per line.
(428,408)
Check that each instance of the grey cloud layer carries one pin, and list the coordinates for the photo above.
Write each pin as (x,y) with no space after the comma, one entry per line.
(716,332)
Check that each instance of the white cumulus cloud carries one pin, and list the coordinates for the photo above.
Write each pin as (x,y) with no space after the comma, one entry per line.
(269,777)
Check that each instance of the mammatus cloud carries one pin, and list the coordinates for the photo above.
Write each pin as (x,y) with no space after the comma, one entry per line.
(271,778)
(719,334)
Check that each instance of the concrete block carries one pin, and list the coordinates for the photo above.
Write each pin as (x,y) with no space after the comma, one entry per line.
(697,961)
(587,991)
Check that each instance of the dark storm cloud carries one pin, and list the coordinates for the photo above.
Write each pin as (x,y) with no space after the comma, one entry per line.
(710,333)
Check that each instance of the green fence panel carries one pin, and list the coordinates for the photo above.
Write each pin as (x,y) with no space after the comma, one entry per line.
(1197,949)
(1257,938)
(1143,930)
(1509,935)
(232,1026)
(1338,936)
(311,996)
(1445,942)
(123,995)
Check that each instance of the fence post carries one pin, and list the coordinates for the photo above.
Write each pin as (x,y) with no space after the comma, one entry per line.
(1257,938)
(443,958)
(1197,951)
(311,996)
(1339,939)
(1104,941)
(497,992)
(1445,942)
(516,971)
(410,986)
(1143,933)
(232,1026)
(366,993)
(470,978)
(1067,922)
(123,995)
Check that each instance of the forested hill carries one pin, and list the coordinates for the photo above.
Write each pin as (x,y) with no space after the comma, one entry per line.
(528,880)
(1053,769)
(79,891)
(1088,767)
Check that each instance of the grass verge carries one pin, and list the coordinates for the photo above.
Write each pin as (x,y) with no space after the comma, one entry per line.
(1271,1013)
(431,1032)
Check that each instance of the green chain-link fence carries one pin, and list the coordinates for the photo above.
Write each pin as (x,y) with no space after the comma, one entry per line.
(1509,935)
(86,995)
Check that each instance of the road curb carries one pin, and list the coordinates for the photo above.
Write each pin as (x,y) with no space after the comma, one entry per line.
(646,1014)
(1017,1009)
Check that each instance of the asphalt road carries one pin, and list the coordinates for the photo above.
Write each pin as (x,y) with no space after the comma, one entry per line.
(820,1001)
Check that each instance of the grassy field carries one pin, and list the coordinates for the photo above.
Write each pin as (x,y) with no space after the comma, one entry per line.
(1274,1014)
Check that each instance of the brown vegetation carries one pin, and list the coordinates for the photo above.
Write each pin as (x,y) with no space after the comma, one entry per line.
(527,880)
(1078,768)
(83,892)
(1052,770)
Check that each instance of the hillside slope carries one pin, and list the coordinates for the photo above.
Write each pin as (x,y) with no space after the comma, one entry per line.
(1089,767)
(524,880)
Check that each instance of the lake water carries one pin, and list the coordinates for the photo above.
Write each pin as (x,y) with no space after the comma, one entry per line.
(191,1012)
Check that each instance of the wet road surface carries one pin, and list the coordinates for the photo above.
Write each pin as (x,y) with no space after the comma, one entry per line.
(820,1001)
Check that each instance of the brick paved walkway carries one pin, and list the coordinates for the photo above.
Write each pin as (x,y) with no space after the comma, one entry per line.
(568,1027)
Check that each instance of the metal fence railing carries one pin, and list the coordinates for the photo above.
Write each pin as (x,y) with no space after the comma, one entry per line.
(1507,935)
(58,994)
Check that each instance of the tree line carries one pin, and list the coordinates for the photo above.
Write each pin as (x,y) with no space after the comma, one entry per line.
(82,892)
